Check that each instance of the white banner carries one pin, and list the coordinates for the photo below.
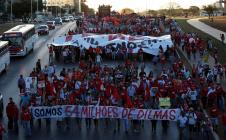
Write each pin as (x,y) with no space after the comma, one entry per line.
(99,112)
(149,44)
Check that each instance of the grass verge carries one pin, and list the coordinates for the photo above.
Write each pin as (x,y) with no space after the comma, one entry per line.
(6,26)
(218,23)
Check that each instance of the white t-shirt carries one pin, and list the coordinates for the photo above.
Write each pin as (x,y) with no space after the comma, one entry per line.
(193,95)
(77,84)
(182,121)
(191,118)
(98,58)
(64,53)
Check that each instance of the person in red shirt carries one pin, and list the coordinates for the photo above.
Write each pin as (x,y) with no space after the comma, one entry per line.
(214,112)
(204,92)
(26,118)
(2,130)
(140,54)
(12,114)
(224,121)
(220,96)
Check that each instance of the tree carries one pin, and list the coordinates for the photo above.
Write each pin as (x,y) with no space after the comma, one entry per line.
(173,6)
(23,7)
(152,12)
(194,10)
(210,9)
(127,11)
(85,8)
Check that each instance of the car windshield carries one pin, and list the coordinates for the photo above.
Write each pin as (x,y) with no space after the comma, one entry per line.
(42,27)
(14,41)
(49,22)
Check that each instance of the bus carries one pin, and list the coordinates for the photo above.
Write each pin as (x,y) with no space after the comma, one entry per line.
(21,39)
(4,55)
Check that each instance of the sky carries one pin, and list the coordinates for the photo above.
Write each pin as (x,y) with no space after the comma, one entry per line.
(142,5)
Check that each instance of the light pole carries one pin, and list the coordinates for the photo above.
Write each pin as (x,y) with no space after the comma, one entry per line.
(11,10)
(31,9)
(146,8)
(60,8)
(37,6)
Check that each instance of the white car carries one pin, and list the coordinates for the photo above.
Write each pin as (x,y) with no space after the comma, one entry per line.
(65,19)
(71,18)
(43,30)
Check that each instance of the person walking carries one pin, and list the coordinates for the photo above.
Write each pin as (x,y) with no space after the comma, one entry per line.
(224,122)
(191,121)
(182,121)
(98,60)
(153,125)
(2,130)
(12,114)
(38,66)
(21,84)
(26,118)
(222,38)
(50,54)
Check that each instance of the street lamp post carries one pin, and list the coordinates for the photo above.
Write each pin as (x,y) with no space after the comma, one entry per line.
(60,8)
(31,9)
(11,10)
(37,6)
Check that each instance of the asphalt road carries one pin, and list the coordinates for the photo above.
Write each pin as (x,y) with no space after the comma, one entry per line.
(24,65)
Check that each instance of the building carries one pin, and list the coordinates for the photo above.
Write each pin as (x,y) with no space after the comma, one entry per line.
(104,10)
(59,3)
(62,3)
(222,4)
(3,7)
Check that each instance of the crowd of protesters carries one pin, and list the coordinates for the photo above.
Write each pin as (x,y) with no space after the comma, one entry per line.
(126,85)
(209,77)
(129,84)
(130,24)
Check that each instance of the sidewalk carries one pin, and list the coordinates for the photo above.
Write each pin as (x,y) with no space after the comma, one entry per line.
(206,28)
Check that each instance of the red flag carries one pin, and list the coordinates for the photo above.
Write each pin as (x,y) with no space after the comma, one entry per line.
(147,93)
(115,94)
(129,103)
(68,38)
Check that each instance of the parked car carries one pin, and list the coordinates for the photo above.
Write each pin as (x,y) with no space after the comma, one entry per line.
(51,24)
(71,18)
(1,106)
(58,21)
(65,19)
(43,30)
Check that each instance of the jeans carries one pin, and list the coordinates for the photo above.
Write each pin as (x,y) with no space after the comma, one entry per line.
(225,130)
(126,124)
(27,127)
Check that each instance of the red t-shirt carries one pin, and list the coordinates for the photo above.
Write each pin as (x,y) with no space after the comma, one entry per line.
(224,119)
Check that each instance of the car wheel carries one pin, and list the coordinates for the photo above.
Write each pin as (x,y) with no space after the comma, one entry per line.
(6,66)
(1,109)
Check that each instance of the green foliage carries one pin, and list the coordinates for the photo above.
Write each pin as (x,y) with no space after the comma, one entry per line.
(194,10)
(210,9)
(23,7)
(127,11)
(85,8)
